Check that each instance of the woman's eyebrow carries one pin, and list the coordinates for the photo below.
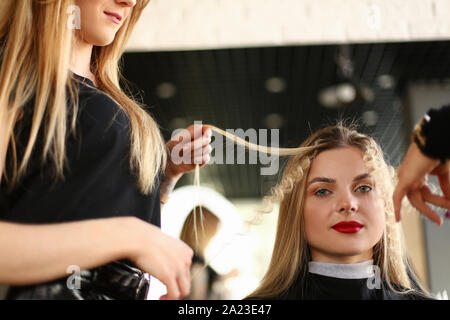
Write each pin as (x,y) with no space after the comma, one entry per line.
(330,180)
(322,179)
(362,177)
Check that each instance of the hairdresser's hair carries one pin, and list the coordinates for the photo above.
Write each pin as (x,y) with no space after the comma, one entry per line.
(291,254)
(35,49)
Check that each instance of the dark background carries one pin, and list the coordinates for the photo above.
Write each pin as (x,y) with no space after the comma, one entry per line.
(227,88)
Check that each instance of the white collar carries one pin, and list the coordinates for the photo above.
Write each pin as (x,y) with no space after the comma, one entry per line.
(360,270)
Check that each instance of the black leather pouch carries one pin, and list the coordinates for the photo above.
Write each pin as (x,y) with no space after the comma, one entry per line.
(116,280)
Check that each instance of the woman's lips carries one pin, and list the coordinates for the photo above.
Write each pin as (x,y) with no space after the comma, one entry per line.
(348,226)
(116,18)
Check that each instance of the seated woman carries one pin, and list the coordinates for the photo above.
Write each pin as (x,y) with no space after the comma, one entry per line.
(336,236)
(197,233)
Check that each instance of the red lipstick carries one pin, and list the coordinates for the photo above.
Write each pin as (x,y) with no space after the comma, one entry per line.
(348,226)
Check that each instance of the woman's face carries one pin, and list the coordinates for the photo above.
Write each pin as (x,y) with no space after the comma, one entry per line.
(343,211)
(101,19)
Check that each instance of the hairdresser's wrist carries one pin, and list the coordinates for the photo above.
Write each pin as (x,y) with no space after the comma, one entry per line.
(168,183)
(430,134)
(171,174)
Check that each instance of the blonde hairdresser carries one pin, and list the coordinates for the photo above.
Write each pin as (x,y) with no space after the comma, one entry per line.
(39,53)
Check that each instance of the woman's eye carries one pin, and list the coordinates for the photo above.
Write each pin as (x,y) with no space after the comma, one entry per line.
(364,188)
(322,192)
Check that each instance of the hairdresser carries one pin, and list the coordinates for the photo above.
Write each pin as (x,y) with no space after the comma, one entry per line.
(428,154)
(83,167)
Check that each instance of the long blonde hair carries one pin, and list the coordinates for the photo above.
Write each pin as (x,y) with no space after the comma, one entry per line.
(36,47)
(291,255)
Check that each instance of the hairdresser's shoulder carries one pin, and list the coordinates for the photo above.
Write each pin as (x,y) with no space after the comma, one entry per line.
(97,110)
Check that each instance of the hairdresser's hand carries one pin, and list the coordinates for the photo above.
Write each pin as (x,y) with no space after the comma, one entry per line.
(187,149)
(412,182)
(166,258)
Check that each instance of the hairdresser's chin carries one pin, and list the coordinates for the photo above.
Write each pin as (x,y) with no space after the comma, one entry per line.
(102,19)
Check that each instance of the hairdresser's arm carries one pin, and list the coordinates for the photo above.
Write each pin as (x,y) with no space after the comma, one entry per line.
(32,254)
(195,140)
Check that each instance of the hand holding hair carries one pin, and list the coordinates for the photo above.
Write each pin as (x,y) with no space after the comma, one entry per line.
(196,143)
(412,182)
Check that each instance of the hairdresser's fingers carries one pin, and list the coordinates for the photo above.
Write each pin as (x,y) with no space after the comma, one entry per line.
(444,181)
(191,133)
(184,283)
(442,171)
(198,130)
(404,187)
(196,145)
(207,154)
(399,193)
(206,150)
(184,274)
(179,280)
(198,153)
(201,155)
(202,160)
(416,200)
(206,159)
(173,291)
(201,142)
(435,199)
(207,132)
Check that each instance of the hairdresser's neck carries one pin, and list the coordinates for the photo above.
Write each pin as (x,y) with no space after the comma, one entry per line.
(81,59)
(341,259)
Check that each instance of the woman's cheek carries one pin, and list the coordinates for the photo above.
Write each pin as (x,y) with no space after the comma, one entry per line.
(377,218)
(315,215)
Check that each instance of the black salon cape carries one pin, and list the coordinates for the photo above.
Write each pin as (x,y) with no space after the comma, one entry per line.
(320,287)
(98,182)
(437,138)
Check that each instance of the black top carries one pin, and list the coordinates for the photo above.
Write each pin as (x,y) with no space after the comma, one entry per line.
(435,130)
(98,182)
(320,287)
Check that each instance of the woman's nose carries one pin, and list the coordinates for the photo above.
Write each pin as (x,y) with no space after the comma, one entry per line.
(347,204)
(129,3)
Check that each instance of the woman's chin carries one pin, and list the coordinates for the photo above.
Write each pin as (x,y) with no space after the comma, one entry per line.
(349,254)
(353,255)
(103,41)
